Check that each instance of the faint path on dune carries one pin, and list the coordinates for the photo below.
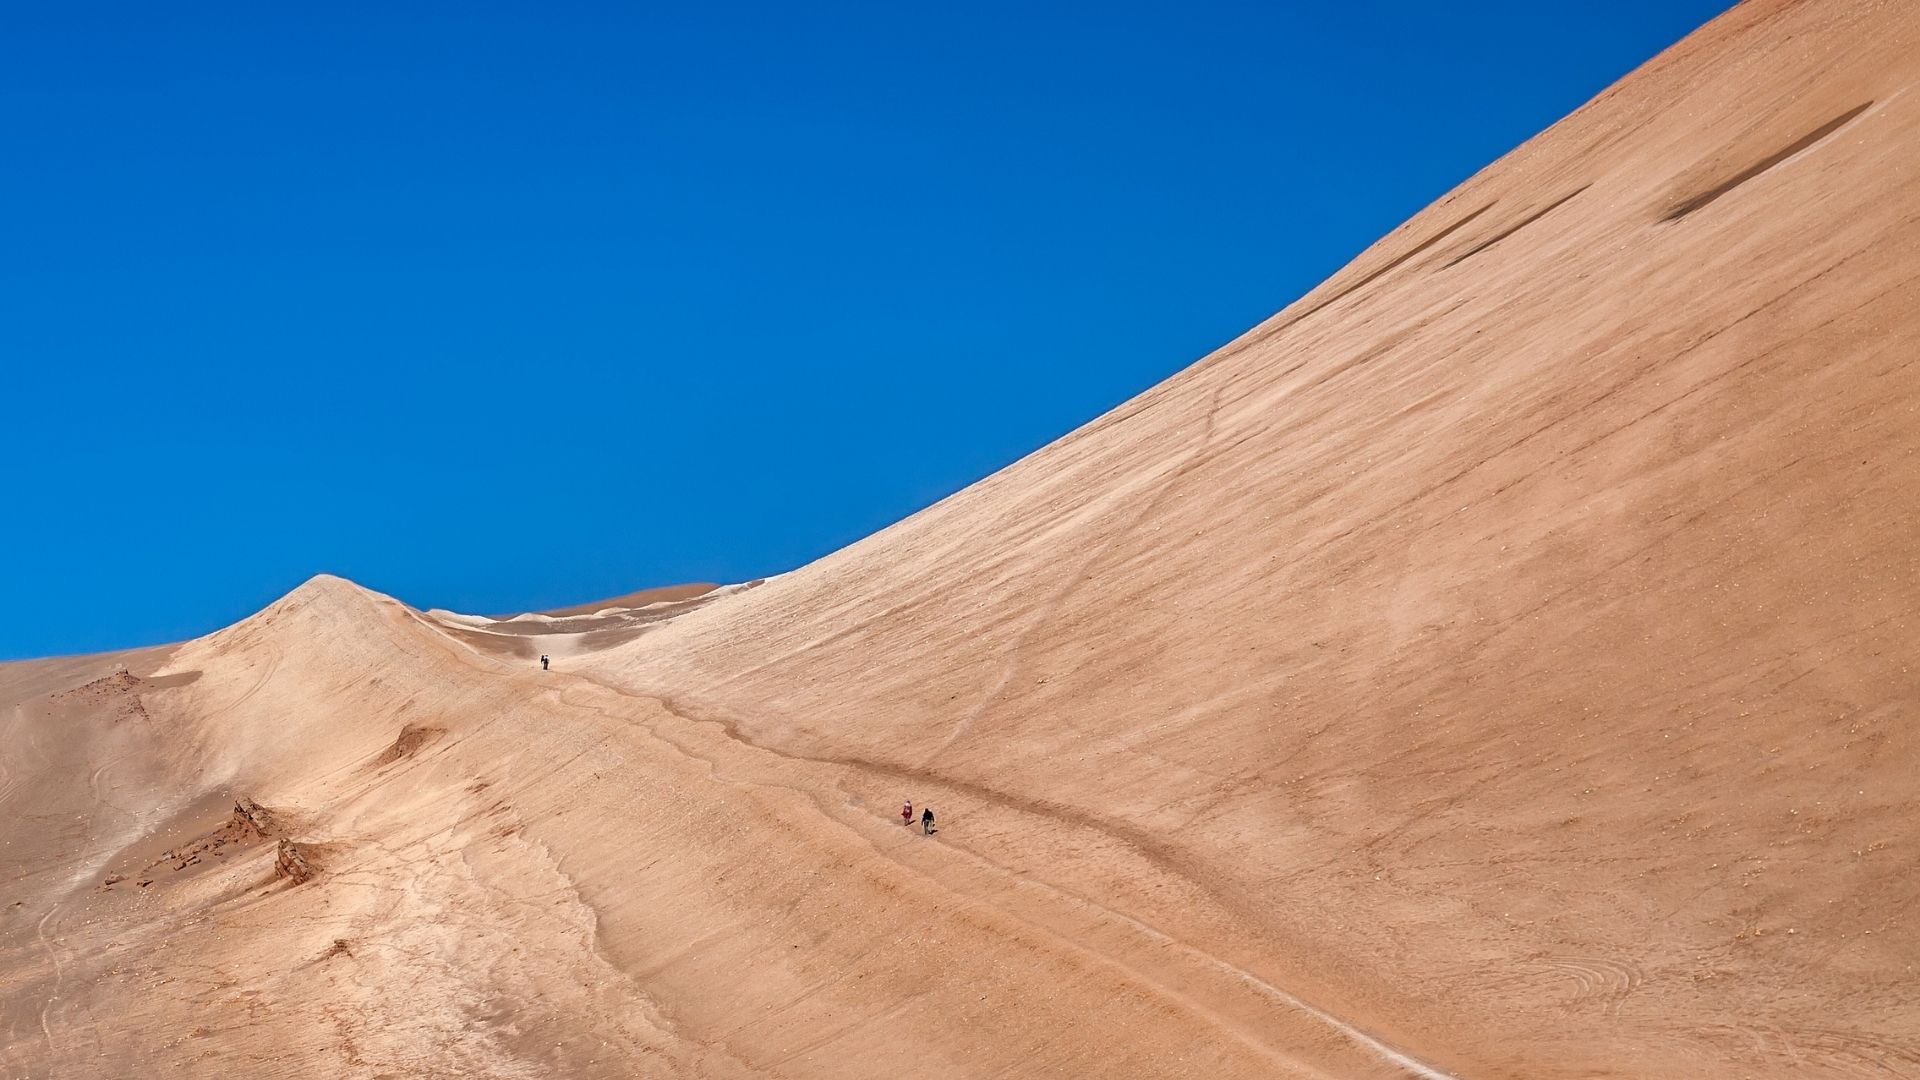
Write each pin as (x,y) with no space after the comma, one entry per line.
(1147,963)
(59,978)
(1159,938)
(75,832)
(99,796)
(30,744)
(272,665)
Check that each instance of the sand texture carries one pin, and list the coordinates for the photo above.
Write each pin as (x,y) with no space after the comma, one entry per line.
(1503,662)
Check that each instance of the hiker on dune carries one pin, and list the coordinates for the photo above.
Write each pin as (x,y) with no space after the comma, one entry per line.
(543,661)
(926,820)
(906,813)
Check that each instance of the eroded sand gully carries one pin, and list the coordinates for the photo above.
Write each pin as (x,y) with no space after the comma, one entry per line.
(1497,664)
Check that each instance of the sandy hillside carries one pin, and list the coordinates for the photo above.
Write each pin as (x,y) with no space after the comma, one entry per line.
(1500,663)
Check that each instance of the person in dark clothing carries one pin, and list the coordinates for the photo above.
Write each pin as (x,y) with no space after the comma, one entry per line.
(926,820)
(543,661)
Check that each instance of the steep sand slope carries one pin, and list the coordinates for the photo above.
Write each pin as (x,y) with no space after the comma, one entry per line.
(1498,664)
(1513,640)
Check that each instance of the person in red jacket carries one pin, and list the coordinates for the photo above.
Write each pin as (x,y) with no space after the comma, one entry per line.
(906,813)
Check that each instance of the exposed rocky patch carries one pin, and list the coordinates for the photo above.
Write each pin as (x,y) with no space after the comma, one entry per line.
(117,694)
(412,739)
(251,818)
(291,862)
(248,824)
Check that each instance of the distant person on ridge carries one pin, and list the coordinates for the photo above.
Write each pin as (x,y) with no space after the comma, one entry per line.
(906,813)
(543,661)
(926,820)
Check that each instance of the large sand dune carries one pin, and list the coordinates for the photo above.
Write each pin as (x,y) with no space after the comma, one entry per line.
(1499,663)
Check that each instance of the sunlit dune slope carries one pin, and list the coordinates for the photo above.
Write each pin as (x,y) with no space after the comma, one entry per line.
(1499,663)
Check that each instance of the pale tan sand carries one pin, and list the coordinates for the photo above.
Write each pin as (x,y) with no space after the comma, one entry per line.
(1498,664)
(666,594)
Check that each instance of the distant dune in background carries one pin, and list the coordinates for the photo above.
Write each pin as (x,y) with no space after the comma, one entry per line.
(661,595)
(1499,663)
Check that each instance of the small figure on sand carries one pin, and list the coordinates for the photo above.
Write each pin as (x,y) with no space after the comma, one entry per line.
(906,813)
(926,820)
(543,661)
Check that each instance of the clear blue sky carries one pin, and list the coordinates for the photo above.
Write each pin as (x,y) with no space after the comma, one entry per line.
(506,306)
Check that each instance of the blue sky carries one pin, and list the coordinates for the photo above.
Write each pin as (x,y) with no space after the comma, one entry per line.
(496,306)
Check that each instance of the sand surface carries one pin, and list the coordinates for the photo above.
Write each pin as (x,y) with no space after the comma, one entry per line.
(1500,663)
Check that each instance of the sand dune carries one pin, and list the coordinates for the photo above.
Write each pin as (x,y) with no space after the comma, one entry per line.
(669,594)
(1497,664)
